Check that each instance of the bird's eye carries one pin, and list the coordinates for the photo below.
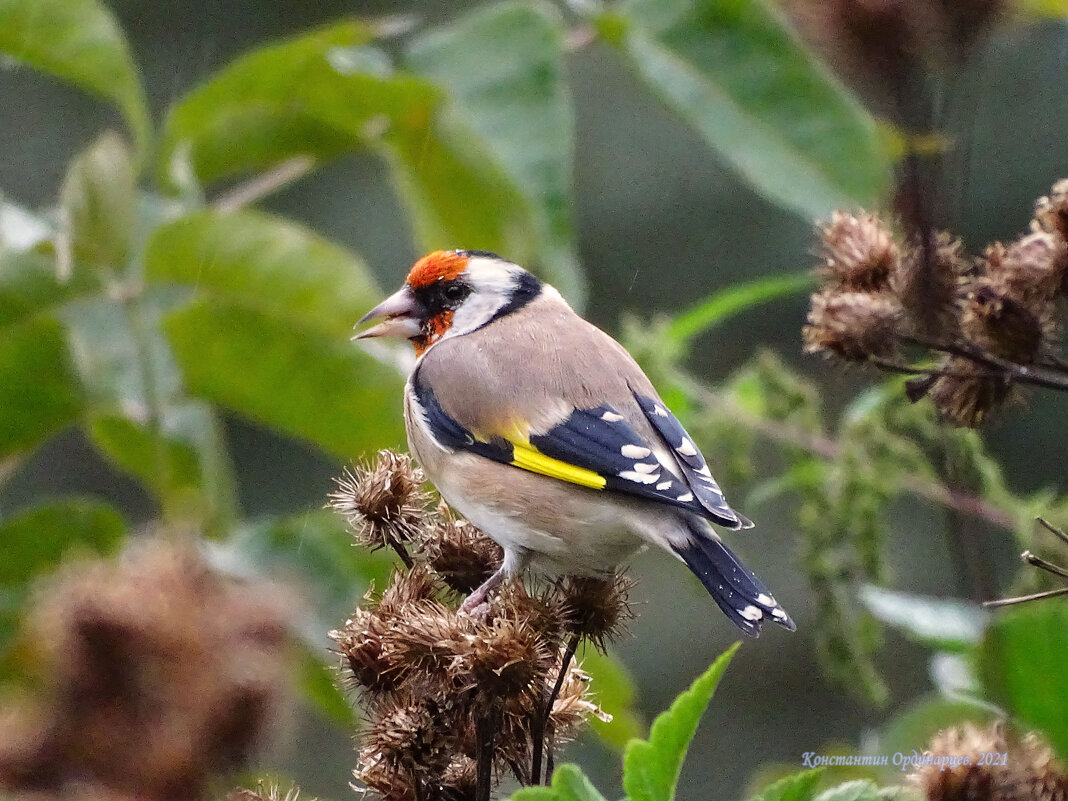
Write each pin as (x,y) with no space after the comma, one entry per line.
(454,292)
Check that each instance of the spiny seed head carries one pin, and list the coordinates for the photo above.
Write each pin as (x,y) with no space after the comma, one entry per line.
(998,323)
(573,706)
(384,503)
(265,792)
(459,552)
(1051,211)
(406,589)
(1032,269)
(371,663)
(858,253)
(407,736)
(964,395)
(926,285)
(459,780)
(508,657)
(596,608)
(852,325)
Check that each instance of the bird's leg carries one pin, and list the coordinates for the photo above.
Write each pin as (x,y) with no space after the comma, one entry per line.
(478,595)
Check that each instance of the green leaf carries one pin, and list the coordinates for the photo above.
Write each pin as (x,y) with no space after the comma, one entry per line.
(78,41)
(319,685)
(924,718)
(98,199)
(613,689)
(30,285)
(651,767)
(300,381)
(267,263)
(945,623)
(37,539)
(312,95)
(722,305)
(799,787)
(520,110)
(851,791)
(1022,661)
(733,71)
(569,783)
(39,392)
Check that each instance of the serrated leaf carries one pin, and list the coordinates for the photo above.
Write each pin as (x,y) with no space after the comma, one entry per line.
(520,110)
(651,767)
(80,42)
(304,96)
(39,391)
(799,787)
(264,262)
(1021,661)
(733,71)
(851,791)
(724,304)
(569,783)
(612,688)
(945,623)
(322,389)
(98,200)
(37,539)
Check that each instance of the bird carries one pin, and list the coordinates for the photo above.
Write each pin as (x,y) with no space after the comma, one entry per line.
(545,433)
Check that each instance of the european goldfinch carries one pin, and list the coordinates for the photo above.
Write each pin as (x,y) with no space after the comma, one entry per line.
(545,433)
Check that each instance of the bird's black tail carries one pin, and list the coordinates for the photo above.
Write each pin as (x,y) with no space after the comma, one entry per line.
(734,587)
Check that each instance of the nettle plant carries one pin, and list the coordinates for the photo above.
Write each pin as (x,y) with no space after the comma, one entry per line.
(153,299)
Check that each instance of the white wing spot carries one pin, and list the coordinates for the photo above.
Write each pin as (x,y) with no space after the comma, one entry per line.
(686,498)
(643,467)
(778,613)
(663,485)
(686,448)
(659,410)
(751,613)
(611,417)
(704,471)
(765,600)
(634,451)
(640,478)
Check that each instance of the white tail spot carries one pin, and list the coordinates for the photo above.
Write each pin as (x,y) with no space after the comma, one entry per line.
(634,451)
(611,417)
(663,485)
(686,498)
(686,448)
(643,467)
(751,613)
(640,478)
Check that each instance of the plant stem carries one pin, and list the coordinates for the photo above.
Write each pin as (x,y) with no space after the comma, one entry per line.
(484,763)
(538,725)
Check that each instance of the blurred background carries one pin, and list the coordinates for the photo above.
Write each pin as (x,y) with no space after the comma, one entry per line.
(660,223)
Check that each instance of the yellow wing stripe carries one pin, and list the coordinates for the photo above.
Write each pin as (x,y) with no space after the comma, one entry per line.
(528,457)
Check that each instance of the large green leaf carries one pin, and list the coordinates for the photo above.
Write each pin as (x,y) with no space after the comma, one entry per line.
(78,41)
(312,95)
(651,767)
(734,72)
(569,783)
(30,285)
(799,787)
(39,391)
(1022,661)
(264,262)
(520,110)
(300,381)
(613,690)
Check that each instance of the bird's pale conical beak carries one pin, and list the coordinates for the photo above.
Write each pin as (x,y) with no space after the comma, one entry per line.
(404,317)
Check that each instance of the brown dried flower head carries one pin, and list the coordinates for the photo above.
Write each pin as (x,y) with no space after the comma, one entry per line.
(596,608)
(852,325)
(1031,269)
(459,552)
(362,643)
(160,673)
(407,736)
(265,792)
(965,394)
(858,253)
(1051,211)
(926,284)
(385,503)
(458,782)
(993,320)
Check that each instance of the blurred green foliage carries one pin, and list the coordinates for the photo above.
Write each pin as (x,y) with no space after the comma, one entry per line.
(153,297)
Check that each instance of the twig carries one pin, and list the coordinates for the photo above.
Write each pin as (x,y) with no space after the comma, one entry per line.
(1052,529)
(484,762)
(1038,596)
(1037,375)
(537,728)
(264,184)
(1041,564)
(401,551)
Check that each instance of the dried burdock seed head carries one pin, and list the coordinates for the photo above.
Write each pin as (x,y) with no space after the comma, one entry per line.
(372,665)
(852,325)
(508,658)
(857,253)
(1051,211)
(459,781)
(384,504)
(265,792)
(408,735)
(926,286)
(406,589)
(596,608)
(965,394)
(999,324)
(573,706)
(376,779)
(1034,774)
(460,553)
(1032,269)
(159,671)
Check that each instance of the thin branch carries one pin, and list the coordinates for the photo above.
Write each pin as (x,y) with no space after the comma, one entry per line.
(401,551)
(537,728)
(1038,596)
(1037,375)
(1042,564)
(1052,529)
(264,184)
(484,754)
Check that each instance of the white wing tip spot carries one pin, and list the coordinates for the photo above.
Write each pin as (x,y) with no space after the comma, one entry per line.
(751,613)
(686,447)
(765,600)
(686,498)
(644,467)
(611,417)
(640,478)
(659,410)
(778,613)
(663,485)
(634,451)
(704,471)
